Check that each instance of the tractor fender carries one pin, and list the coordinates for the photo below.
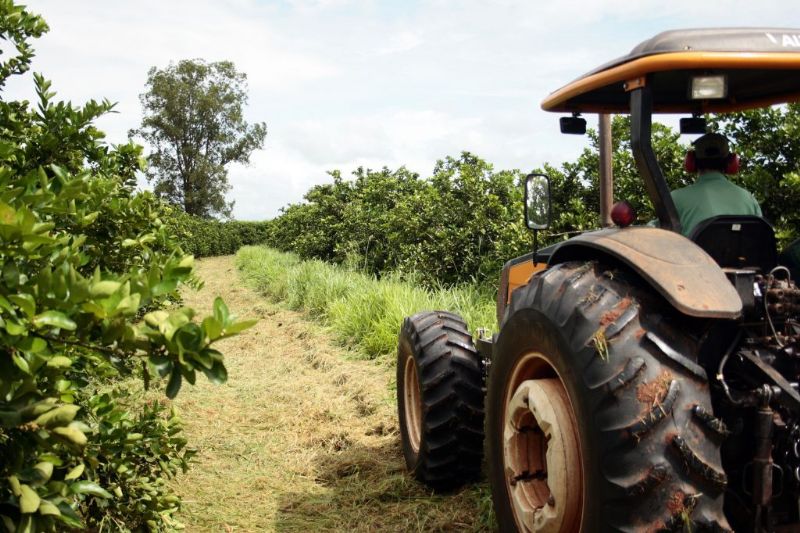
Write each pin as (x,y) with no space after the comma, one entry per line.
(688,278)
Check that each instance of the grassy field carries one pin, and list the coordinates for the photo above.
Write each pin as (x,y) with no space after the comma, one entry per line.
(304,435)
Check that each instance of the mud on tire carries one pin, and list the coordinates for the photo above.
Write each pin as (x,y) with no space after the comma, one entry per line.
(650,457)
(440,400)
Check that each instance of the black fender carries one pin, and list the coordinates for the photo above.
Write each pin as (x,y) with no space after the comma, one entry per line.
(688,278)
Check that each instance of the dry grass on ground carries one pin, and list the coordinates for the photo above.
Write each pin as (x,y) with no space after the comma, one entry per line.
(302,437)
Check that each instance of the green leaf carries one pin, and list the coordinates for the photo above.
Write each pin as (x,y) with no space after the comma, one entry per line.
(60,416)
(59,361)
(212,327)
(54,318)
(15,328)
(164,287)
(72,434)
(20,362)
(26,524)
(46,508)
(237,327)
(89,487)
(221,312)
(129,304)
(5,304)
(7,149)
(174,384)
(32,344)
(44,470)
(216,374)
(16,489)
(7,214)
(88,219)
(28,500)
(24,302)
(204,358)
(189,338)
(75,473)
(161,365)
(103,289)
(154,318)
(11,273)
(35,409)
(69,516)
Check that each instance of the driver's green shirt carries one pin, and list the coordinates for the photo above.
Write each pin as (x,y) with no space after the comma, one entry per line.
(709,196)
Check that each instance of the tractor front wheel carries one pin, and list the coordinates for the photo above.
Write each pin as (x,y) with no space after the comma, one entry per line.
(597,411)
(440,400)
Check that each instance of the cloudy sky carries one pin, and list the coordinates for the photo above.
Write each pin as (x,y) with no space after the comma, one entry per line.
(347,83)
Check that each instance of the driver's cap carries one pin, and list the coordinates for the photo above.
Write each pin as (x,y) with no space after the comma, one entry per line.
(711,146)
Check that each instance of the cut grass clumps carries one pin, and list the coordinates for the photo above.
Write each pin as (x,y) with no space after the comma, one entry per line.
(360,308)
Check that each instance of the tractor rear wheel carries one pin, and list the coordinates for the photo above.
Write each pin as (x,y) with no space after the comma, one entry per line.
(440,400)
(597,411)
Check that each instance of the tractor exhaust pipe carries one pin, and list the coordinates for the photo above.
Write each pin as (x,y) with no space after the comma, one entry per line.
(642,148)
(606,171)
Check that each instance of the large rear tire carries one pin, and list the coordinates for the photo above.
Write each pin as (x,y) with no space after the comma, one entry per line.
(440,400)
(598,413)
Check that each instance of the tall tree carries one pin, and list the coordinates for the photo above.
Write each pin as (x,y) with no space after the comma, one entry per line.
(194,125)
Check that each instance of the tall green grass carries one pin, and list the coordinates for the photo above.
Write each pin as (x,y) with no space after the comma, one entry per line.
(359,308)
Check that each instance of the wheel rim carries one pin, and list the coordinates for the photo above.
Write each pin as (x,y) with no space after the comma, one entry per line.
(412,404)
(541,450)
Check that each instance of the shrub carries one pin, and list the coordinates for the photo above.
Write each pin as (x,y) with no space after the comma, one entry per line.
(204,237)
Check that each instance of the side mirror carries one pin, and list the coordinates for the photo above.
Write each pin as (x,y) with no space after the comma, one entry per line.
(695,125)
(537,201)
(572,125)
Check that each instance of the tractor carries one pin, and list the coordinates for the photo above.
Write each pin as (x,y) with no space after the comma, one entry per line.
(641,379)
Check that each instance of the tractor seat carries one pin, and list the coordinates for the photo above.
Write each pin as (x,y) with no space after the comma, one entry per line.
(736,241)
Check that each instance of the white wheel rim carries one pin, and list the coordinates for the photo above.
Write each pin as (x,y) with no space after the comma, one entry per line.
(412,404)
(542,455)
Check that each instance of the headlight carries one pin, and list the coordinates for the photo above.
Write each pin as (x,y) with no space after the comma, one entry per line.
(709,87)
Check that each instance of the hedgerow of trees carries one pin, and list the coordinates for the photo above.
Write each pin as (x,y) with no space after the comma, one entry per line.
(87,289)
(204,237)
(465,220)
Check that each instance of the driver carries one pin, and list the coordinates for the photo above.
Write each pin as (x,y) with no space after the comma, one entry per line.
(712,194)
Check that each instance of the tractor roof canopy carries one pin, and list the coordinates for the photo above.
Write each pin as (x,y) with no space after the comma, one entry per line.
(761,66)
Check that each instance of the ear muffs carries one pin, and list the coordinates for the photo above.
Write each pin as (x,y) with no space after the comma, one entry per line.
(690,162)
(732,164)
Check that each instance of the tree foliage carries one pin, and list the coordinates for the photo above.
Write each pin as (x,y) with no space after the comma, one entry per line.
(460,224)
(465,220)
(87,265)
(203,237)
(770,153)
(194,124)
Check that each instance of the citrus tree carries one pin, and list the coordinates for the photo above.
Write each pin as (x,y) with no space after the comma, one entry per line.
(87,280)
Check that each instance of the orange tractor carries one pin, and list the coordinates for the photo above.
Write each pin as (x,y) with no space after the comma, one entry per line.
(641,380)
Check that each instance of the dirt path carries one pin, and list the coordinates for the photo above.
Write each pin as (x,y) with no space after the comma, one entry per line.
(302,437)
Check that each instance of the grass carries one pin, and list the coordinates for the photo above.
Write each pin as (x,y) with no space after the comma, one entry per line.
(303,436)
(360,309)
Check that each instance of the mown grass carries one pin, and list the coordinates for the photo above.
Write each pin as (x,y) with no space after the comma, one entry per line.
(304,434)
(360,309)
